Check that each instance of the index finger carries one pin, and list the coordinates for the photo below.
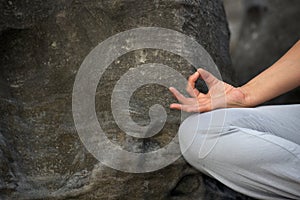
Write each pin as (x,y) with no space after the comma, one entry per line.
(191,84)
(193,78)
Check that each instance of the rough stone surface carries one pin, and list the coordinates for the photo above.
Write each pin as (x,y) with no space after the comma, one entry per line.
(269,28)
(42,45)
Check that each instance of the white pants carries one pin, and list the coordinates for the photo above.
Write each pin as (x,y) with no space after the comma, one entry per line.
(255,151)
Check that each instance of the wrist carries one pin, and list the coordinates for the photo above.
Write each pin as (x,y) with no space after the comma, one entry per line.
(249,98)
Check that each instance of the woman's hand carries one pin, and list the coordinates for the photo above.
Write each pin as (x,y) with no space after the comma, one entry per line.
(281,77)
(220,95)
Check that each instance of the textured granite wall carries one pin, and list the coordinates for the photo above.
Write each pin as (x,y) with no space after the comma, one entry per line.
(42,45)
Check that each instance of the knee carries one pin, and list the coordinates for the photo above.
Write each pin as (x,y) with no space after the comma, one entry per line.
(197,136)
(190,127)
(198,127)
(187,131)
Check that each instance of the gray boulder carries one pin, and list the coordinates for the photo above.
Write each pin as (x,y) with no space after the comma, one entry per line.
(43,44)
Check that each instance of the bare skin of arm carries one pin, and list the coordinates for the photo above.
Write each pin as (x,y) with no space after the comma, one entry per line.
(281,77)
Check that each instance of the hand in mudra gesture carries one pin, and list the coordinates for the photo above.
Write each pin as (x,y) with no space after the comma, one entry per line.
(220,95)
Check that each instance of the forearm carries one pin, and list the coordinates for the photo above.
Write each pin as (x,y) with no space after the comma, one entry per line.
(281,77)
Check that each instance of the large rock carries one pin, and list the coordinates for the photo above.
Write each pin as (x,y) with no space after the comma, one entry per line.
(42,47)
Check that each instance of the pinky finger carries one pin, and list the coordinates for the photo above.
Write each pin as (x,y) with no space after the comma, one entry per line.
(175,106)
(186,108)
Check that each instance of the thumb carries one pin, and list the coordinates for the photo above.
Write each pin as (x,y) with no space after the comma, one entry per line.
(208,78)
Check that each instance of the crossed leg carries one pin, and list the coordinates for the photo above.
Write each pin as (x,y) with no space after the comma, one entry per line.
(255,151)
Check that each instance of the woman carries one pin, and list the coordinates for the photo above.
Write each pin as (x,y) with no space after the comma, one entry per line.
(255,150)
